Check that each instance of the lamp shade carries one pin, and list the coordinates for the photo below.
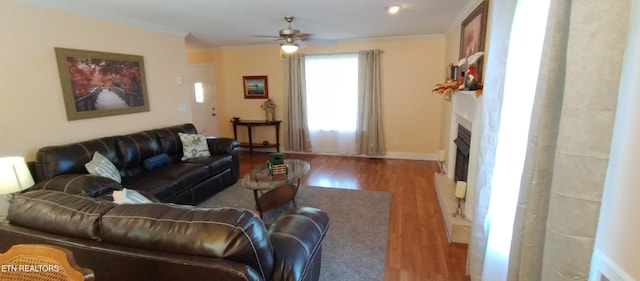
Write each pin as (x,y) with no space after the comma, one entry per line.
(289,48)
(442,155)
(461,189)
(14,175)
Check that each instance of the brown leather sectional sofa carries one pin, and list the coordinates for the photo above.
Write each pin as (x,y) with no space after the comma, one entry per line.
(160,241)
(183,182)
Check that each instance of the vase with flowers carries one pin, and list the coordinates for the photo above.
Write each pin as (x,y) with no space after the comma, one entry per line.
(269,108)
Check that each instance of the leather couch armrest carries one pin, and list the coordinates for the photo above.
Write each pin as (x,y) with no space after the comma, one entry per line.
(226,146)
(296,237)
(222,145)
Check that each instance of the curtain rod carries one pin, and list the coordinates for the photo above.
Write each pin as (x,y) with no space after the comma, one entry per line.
(340,53)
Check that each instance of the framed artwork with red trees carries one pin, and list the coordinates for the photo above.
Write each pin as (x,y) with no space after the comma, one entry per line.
(97,84)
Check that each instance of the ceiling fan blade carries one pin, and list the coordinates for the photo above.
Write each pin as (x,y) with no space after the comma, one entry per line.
(320,41)
(267,36)
(303,36)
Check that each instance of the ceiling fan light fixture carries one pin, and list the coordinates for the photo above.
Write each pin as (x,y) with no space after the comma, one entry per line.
(393,9)
(289,48)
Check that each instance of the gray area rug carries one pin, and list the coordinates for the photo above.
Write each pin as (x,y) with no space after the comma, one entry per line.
(355,245)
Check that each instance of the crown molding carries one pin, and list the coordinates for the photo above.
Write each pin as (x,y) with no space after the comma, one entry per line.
(65,7)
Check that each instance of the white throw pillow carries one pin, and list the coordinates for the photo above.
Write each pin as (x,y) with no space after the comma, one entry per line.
(194,145)
(101,166)
(129,196)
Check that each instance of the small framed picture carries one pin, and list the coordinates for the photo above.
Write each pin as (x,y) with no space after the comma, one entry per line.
(452,71)
(255,87)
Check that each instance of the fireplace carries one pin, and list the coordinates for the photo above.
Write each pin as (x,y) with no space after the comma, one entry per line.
(461,164)
(462,158)
(463,146)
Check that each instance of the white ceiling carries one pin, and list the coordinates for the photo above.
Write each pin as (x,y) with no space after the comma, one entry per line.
(224,23)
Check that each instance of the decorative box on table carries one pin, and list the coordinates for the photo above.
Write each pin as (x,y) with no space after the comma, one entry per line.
(276,164)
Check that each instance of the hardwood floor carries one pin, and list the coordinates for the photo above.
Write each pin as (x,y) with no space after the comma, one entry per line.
(418,248)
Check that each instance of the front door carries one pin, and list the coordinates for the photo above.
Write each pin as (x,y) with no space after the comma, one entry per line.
(203,98)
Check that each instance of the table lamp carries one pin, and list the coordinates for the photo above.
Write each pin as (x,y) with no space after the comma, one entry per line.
(14,177)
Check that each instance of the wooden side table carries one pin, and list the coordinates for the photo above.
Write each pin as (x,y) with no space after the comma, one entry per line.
(254,123)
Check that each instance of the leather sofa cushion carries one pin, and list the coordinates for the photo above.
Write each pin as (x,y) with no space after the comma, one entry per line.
(170,141)
(60,213)
(82,184)
(160,188)
(184,174)
(215,163)
(136,148)
(70,159)
(227,233)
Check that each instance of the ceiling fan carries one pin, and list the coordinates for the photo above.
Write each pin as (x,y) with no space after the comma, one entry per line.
(291,35)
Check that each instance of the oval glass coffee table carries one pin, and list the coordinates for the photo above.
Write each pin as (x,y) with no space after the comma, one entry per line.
(274,191)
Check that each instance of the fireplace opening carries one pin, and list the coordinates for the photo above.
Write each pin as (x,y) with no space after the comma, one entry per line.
(463,145)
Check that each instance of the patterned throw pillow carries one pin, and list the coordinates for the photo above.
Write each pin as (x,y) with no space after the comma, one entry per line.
(194,145)
(101,166)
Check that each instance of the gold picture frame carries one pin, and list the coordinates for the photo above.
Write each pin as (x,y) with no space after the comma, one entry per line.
(473,33)
(98,84)
(255,87)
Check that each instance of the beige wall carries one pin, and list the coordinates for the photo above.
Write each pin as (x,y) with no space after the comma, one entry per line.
(32,111)
(410,68)
(33,108)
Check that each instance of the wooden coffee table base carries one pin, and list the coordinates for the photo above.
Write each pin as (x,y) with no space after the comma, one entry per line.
(276,197)
(273,190)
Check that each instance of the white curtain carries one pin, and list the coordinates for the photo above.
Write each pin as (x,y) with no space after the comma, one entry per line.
(332,102)
(559,193)
(369,133)
(501,12)
(296,128)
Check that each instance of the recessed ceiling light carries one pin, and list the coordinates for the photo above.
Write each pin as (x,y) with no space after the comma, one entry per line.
(393,9)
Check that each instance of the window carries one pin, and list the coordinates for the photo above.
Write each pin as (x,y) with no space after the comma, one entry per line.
(332,91)
(198,92)
(331,84)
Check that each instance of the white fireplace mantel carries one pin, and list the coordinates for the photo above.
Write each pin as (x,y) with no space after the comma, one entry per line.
(465,110)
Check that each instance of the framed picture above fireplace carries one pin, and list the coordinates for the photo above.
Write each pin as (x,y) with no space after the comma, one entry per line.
(473,33)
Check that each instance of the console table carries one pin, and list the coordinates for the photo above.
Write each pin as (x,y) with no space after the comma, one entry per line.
(254,123)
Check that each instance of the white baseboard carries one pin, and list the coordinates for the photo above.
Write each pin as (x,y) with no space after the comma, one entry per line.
(412,156)
(604,268)
(389,155)
(260,149)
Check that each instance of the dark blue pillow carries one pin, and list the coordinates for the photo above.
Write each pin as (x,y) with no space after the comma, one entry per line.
(157,161)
